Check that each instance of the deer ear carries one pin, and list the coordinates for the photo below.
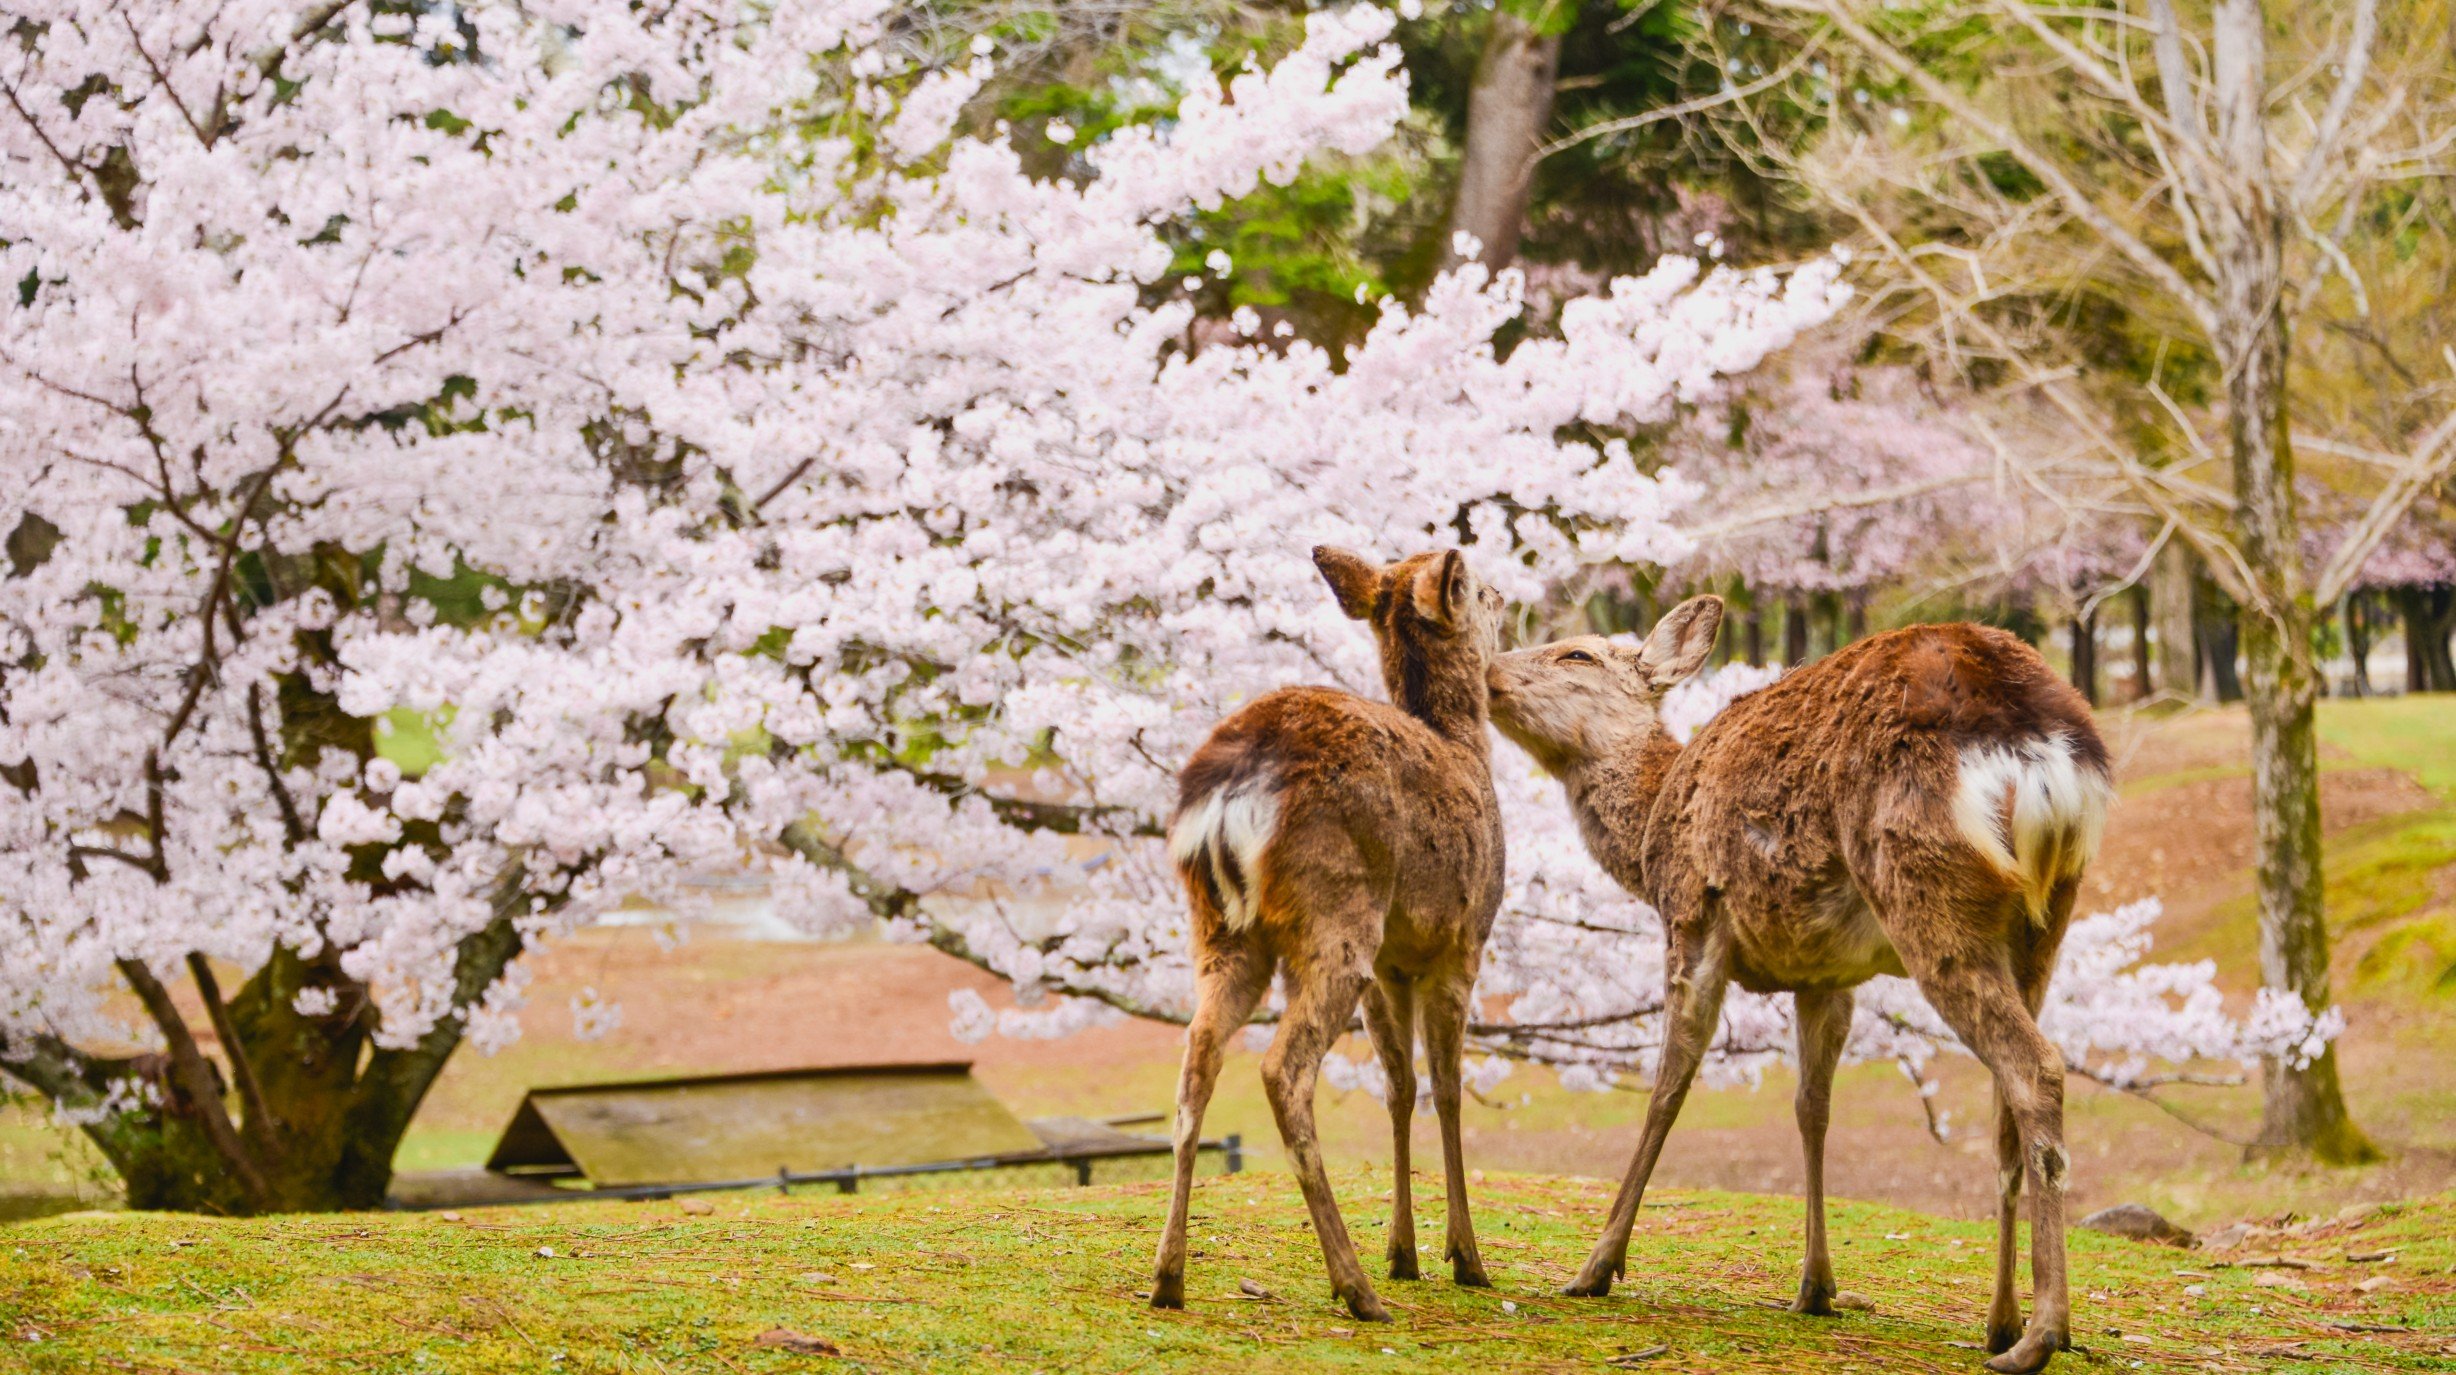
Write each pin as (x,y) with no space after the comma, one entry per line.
(1681,641)
(1355,582)
(1441,590)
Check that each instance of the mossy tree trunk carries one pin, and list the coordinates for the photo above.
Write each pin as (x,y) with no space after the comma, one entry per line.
(2303,1107)
(320,1109)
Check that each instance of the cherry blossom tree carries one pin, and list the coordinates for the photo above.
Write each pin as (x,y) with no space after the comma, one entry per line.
(471,466)
(1830,484)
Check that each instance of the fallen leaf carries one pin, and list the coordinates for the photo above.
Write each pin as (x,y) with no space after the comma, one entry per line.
(1631,1358)
(545,1253)
(1852,1301)
(2270,1279)
(1252,1290)
(449,1216)
(2370,1257)
(2374,1284)
(698,1207)
(863,1265)
(799,1343)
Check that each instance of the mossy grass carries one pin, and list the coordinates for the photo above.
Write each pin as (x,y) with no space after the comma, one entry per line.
(975,1279)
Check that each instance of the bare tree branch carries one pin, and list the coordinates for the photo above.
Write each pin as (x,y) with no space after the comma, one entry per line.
(2356,66)
(2074,199)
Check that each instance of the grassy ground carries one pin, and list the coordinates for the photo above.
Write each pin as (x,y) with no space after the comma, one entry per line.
(1047,1280)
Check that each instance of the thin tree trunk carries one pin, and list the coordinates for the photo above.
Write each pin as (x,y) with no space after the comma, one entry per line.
(1508,109)
(2351,611)
(2170,598)
(2141,687)
(2216,631)
(1856,627)
(1754,626)
(2085,655)
(1795,631)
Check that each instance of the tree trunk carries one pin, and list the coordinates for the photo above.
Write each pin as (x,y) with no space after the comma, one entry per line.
(1856,627)
(2304,1106)
(336,1108)
(1795,631)
(1754,626)
(2170,596)
(2141,681)
(2085,655)
(2353,613)
(1508,109)
(2216,634)
(2429,613)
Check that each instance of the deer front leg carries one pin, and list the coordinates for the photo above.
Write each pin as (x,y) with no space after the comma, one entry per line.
(1700,964)
(1824,1020)
(1224,996)
(1445,1033)
(1390,1017)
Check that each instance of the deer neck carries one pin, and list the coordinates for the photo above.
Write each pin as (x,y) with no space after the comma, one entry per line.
(1612,797)
(1446,691)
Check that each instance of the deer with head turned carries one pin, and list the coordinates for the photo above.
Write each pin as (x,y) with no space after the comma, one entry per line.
(1355,848)
(1921,802)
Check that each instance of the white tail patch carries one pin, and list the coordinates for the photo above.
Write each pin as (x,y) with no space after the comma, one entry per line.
(1228,832)
(2034,810)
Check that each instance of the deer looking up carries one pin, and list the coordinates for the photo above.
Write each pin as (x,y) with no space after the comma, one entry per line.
(1922,801)
(1355,847)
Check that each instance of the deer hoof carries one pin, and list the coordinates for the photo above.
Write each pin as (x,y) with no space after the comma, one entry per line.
(1816,1301)
(2003,1335)
(1367,1307)
(1403,1264)
(1468,1272)
(2028,1355)
(1590,1284)
(1168,1291)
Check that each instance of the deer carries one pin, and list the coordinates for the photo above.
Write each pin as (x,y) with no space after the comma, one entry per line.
(1354,848)
(1922,802)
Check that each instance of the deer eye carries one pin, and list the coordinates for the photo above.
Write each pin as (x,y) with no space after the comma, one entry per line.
(1577,656)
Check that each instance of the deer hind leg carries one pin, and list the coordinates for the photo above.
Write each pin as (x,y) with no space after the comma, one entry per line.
(1224,996)
(1982,1000)
(1322,993)
(2004,1309)
(1445,1031)
(1390,1016)
(1824,1020)
(1698,967)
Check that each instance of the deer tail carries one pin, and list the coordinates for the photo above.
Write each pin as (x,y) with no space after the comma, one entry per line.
(1218,841)
(2034,809)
